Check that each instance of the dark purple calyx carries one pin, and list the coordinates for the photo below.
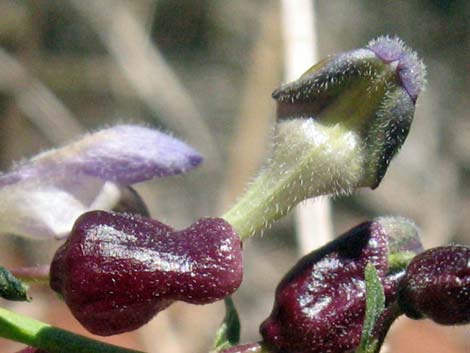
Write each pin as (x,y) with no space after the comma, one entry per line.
(117,271)
(437,286)
(320,303)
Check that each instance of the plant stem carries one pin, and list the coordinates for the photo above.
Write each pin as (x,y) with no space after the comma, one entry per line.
(34,333)
(289,177)
(398,261)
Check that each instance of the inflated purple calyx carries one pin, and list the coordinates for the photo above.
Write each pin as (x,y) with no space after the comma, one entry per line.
(117,271)
(410,69)
(437,286)
(320,303)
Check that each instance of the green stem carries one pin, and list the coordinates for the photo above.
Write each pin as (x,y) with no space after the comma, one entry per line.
(290,177)
(34,333)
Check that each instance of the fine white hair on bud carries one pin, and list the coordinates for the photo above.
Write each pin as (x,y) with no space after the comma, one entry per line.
(410,69)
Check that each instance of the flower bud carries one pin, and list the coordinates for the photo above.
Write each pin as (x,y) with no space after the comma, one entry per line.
(320,303)
(368,94)
(339,126)
(116,271)
(437,286)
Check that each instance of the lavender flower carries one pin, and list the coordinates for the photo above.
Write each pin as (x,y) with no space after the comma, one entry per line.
(41,198)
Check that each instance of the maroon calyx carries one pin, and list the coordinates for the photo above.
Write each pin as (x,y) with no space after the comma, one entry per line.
(320,303)
(437,286)
(117,271)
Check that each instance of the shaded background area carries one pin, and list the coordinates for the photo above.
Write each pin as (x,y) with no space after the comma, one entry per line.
(71,66)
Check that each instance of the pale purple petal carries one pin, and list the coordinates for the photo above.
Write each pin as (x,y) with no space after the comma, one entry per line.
(45,209)
(124,154)
(42,198)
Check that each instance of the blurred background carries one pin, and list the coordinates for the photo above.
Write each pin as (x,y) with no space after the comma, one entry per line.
(205,70)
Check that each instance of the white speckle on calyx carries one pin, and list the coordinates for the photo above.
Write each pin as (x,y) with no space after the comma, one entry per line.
(312,311)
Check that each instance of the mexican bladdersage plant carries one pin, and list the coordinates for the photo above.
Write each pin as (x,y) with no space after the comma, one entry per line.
(338,127)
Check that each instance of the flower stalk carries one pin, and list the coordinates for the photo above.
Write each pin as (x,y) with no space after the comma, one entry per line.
(281,185)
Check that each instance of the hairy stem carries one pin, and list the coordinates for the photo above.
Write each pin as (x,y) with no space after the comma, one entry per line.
(289,177)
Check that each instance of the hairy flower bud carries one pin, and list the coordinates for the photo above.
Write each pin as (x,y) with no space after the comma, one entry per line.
(367,94)
(320,303)
(437,286)
(116,271)
(339,125)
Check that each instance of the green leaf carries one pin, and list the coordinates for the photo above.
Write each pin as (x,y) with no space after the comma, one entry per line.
(375,304)
(228,334)
(12,288)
